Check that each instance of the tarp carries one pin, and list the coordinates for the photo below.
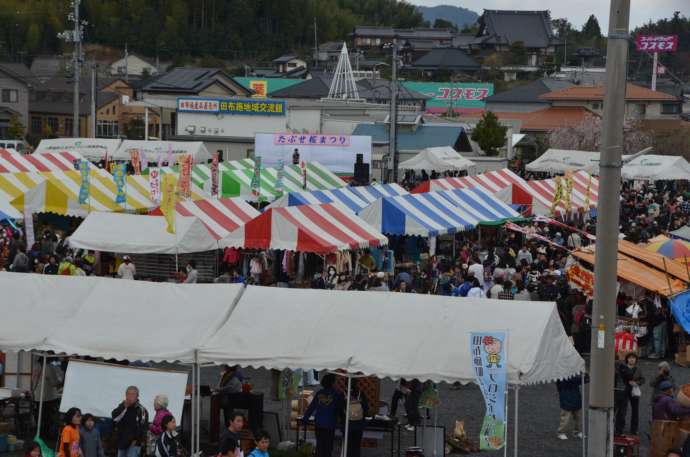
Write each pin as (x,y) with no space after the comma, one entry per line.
(19,163)
(220,216)
(320,229)
(355,198)
(680,307)
(370,332)
(682,233)
(154,149)
(584,195)
(433,213)
(140,234)
(562,160)
(90,148)
(443,158)
(657,168)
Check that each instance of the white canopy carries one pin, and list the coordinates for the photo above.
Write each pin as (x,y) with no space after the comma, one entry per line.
(134,234)
(427,338)
(562,160)
(657,168)
(443,158)
(90,148)
(153,150)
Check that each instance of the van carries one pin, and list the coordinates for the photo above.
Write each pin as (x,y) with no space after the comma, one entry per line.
(17,145)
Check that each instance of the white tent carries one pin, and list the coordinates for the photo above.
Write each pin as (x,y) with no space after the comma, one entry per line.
(656,168)
(135,234)
(153,150)
(443,158)
(91,148)
(428,338)
(562,160)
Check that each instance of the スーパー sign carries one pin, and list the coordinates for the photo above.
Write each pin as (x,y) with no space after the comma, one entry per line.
(219,106)
(657,43)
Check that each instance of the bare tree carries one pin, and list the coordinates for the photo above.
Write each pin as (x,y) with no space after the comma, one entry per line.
(586,136)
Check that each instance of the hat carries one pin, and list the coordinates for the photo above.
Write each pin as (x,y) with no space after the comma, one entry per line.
(558,233)
(665,385)
(665,365)
(380,275)
(126,257)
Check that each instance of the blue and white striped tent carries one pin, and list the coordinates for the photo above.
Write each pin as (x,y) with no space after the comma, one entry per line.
(354,198)
(435,213)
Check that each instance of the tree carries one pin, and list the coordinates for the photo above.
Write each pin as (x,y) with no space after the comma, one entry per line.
(16,129)
(586,136)
(443,24)
(489,134)
(518,53)
(591,28)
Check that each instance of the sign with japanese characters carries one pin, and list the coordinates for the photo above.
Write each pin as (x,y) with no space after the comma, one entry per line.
(338,153)
(451,95)
(260,88)
(489,364)
(656,43)
(231,106)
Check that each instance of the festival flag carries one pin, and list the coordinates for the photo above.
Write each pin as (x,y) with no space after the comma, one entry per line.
(256,178)
(168,200)
(144,161)
(185,176)
(279,177)
(568,191)
(557,195)
(587,193)
(171,162)
(155,184)
(303,166)
(135,157)
(84,189)
(214,175)
(489,364)
(119,173)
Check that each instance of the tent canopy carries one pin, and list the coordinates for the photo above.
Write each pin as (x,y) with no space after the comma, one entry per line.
(134,234)
(154,150)
(562,160)
(442,158)
(50,161)
(321,229)
(355,198)
(657,168)
(682,233)
(90,148)
(351,328)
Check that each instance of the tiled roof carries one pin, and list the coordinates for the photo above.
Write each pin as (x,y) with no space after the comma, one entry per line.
(586,93)
(446,58)
(184,80)
(17,71)
(532,28)
(372,90)
(424,136)
(529,93)
(548,119)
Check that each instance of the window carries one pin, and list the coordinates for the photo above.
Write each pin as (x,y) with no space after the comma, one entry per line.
(107,129)
(69,124)
(114,110)
(641,109)
(670,108)
(36,124)
(597,105)
(10,95)
(54,124)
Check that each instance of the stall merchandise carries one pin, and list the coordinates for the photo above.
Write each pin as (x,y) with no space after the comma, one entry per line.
(442,158)
(51,161)
(355,198)
(141,234)
(319,229)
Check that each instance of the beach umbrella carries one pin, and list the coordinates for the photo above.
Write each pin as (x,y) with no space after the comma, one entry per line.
(673,249)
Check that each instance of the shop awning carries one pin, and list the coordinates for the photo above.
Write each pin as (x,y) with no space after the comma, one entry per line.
(320,229)
(141,234)
(434,213)
(584,195)
(53,161)
(442,158)
(657,168)
(355,198)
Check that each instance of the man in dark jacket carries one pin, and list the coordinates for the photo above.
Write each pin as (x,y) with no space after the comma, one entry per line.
(327,407)
(131,422)
(667,408)
(570,399)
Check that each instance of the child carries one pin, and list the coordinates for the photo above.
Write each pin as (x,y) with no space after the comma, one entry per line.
(262,441)
(33,450)
(69,438)
(90,438)
(167,445)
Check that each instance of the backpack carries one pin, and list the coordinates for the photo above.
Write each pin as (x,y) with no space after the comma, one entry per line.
(356,410)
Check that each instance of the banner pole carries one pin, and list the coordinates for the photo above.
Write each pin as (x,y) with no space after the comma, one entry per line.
(347,415)
(517,420)
(40,398)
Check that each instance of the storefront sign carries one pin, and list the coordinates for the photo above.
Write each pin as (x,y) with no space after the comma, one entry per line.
(260,88)
(459,96)
(489,364)
(656,43)
(218,106)
(581,279)
(316,140)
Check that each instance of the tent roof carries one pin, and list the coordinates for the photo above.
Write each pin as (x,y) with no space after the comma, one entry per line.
(155,149)
(354,198)
(442,158)
(562,160)
(90,148)
(50,161)
(306,328)
(544,193)
(491,181)
(657,168)
(683,233)
(135,234)
(320,229)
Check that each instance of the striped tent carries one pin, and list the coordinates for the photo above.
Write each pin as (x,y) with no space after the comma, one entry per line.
(201,173)
(319,229)
(355,198)
(142,185)
(13,185)
(435,213)
(584,195)
(54,161)
(220,216)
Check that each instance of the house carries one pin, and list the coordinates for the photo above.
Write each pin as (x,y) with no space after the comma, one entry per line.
(287,63)
(51,109)
(527,97)
(16,82)
(132,65)
(446,60)
(47,67)
(640,103)
(499,30)
(367,37)
(547,119)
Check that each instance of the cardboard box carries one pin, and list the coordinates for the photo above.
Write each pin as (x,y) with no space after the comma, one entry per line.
(681,359)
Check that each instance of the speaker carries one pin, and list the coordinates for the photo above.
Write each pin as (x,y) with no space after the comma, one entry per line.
(361,172)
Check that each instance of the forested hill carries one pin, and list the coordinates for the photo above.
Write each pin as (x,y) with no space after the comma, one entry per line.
(220,28)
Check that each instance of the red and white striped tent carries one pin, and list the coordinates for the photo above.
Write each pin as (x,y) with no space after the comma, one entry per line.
(320,229)
(221,216)
(584,195)
(49,162)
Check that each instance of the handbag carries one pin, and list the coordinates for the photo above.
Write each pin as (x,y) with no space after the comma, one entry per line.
(636,391)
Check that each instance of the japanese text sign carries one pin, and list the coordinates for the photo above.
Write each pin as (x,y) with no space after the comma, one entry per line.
(301,139)
(447,95)
(155,184)
(231,106)
(490,370)
(657,43)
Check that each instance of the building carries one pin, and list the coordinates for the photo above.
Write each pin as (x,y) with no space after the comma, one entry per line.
(51,109)
(368,37)
(16,82)
(47,67)
(527,97)
(547,119)
(499,30)
(446,60)
(288,63)
(640,103)
(132,65)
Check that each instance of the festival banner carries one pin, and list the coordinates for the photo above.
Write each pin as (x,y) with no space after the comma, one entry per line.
(135,157)
(214,175)
(144,161)
(29,226)
(280,174)
(256,178)
(303,166)
(155,184)
(185,176)
(84,168)
(568,191)
(489,364)
(168,200)
(119,175)
(171,161)
(557,195)
(581,278)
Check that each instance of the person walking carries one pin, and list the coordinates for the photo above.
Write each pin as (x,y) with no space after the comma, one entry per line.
(627,390)
(327,408)
(131,421)
(69,437)
(127,269)
(156,429)
(570,399)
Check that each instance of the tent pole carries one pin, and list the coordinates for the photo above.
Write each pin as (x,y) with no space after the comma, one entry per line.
(40,398)
(517,420)
(198,403)
(435,454)
(193,407)
(584,435)
(505,422)
(347,415)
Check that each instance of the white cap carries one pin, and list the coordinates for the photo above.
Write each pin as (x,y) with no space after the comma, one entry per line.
(380,275)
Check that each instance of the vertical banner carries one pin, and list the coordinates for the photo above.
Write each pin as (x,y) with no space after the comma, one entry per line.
(557,195)
(29,227)
(119,173)
(155,184)
(135,158)
(171,162)
(168,200)
(214,175)
(489,363)
(587,193)
(85,185)
(256,178)
(568,191)
(303,166)
(280,174)
(144,161)
(185,176)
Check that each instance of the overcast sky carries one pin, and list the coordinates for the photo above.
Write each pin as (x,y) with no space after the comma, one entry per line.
(577,11)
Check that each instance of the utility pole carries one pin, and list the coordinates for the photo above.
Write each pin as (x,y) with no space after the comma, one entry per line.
(93,97)
(126,64)
(655,68)
(316,45)
(77,68)
(393,134)
(605,268)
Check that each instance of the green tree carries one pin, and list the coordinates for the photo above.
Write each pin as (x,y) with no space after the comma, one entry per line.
(489,134)
(591,28)
(518,53)
(443,24)
(16,129)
